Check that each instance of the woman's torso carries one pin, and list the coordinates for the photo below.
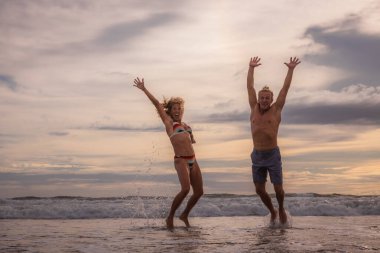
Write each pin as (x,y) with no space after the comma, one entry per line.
(180,137)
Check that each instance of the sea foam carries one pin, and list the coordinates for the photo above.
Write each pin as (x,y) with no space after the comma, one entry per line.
(215,205)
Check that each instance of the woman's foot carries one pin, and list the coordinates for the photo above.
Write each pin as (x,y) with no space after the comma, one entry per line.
(183,218)
(169,222)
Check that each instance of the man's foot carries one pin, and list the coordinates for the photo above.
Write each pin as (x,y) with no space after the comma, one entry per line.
(283,216)
(169,223)
(273,217)
(185,220)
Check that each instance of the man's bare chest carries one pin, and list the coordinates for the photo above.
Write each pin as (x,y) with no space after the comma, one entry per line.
(267,118)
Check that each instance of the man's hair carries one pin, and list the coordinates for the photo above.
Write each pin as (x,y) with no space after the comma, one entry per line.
(266,88)
(168,104)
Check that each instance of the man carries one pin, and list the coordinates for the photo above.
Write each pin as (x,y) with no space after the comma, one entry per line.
(265,120)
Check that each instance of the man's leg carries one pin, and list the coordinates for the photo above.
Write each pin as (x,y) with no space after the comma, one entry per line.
(265,198)
(280,195)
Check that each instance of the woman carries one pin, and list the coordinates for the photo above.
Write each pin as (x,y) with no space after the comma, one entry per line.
(181,137)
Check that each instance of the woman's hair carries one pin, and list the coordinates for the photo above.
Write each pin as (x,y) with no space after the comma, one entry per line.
(168,104)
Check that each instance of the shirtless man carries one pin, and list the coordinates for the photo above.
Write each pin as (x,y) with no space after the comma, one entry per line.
(182,140)
(265,120)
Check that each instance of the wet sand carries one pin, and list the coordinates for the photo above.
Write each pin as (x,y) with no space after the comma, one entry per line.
(207,234)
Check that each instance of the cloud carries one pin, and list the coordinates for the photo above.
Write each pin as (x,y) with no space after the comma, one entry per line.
(58,133)
(354,104)
(324,160)
(124,32)
(357,94)
(317,114)
(348,48)
(309,134)
(227,116)
(101,183)
(115,35)
(8,82)
(94,178)
(332,114)
(128,128)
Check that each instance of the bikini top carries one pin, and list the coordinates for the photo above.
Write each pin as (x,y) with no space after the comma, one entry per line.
(178,128)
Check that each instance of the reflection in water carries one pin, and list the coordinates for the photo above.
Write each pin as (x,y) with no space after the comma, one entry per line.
(221,235)
(183,239)
(275,240)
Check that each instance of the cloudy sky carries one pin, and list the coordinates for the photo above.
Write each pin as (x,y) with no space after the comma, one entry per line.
(71,123)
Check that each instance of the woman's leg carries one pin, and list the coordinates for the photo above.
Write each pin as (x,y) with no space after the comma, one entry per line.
(184,179)
(197,185)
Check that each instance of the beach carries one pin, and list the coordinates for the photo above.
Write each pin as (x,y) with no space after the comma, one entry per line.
(207,234)
(220,223)
(115,113)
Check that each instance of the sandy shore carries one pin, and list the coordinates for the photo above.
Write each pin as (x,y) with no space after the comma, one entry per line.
(211,234)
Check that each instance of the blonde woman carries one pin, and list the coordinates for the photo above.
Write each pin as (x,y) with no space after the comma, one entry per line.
(185,163)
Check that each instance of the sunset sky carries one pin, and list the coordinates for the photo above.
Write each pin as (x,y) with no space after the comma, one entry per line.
(71,123)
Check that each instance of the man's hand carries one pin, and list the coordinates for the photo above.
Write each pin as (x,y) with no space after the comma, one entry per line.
(139,84)
(254,62)
(294,61)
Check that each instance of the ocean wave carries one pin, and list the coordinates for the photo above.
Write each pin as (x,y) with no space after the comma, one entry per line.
(214,205)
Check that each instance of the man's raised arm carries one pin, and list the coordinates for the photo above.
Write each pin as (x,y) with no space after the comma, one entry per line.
(252,97)
(280,102)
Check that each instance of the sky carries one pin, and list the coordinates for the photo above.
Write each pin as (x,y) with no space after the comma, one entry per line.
(71,122)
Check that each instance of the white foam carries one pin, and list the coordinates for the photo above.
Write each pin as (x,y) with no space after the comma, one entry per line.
(277,224)
(208,206)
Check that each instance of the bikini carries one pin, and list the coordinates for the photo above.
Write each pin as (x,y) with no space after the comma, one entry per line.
(178,128)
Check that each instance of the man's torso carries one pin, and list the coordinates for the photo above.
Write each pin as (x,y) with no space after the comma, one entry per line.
(264,127)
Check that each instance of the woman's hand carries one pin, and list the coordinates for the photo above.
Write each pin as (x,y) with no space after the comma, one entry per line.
(139,84)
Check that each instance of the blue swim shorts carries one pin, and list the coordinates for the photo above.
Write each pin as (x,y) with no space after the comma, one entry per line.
(264,162)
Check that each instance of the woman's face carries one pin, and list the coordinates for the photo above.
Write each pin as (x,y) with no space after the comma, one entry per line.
(176,112)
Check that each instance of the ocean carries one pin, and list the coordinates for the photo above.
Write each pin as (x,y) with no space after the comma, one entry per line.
(220,223)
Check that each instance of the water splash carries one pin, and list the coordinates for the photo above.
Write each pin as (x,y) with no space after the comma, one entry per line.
(277,224)
(153,208)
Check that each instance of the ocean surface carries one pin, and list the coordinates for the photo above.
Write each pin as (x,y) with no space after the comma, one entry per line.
(220,223)
(215,205)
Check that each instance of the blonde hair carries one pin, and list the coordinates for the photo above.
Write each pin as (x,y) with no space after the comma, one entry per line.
(168,104)
(266,89)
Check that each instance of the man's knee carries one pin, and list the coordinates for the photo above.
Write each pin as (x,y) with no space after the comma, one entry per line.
(279,189)
(260,189)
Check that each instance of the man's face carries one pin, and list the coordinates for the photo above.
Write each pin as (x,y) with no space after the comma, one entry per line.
(176,112)
(265,99)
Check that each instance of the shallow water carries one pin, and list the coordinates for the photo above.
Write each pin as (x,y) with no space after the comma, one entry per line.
(207,234)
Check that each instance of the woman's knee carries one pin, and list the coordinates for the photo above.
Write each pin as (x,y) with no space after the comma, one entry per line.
(198,192)
(185,190)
